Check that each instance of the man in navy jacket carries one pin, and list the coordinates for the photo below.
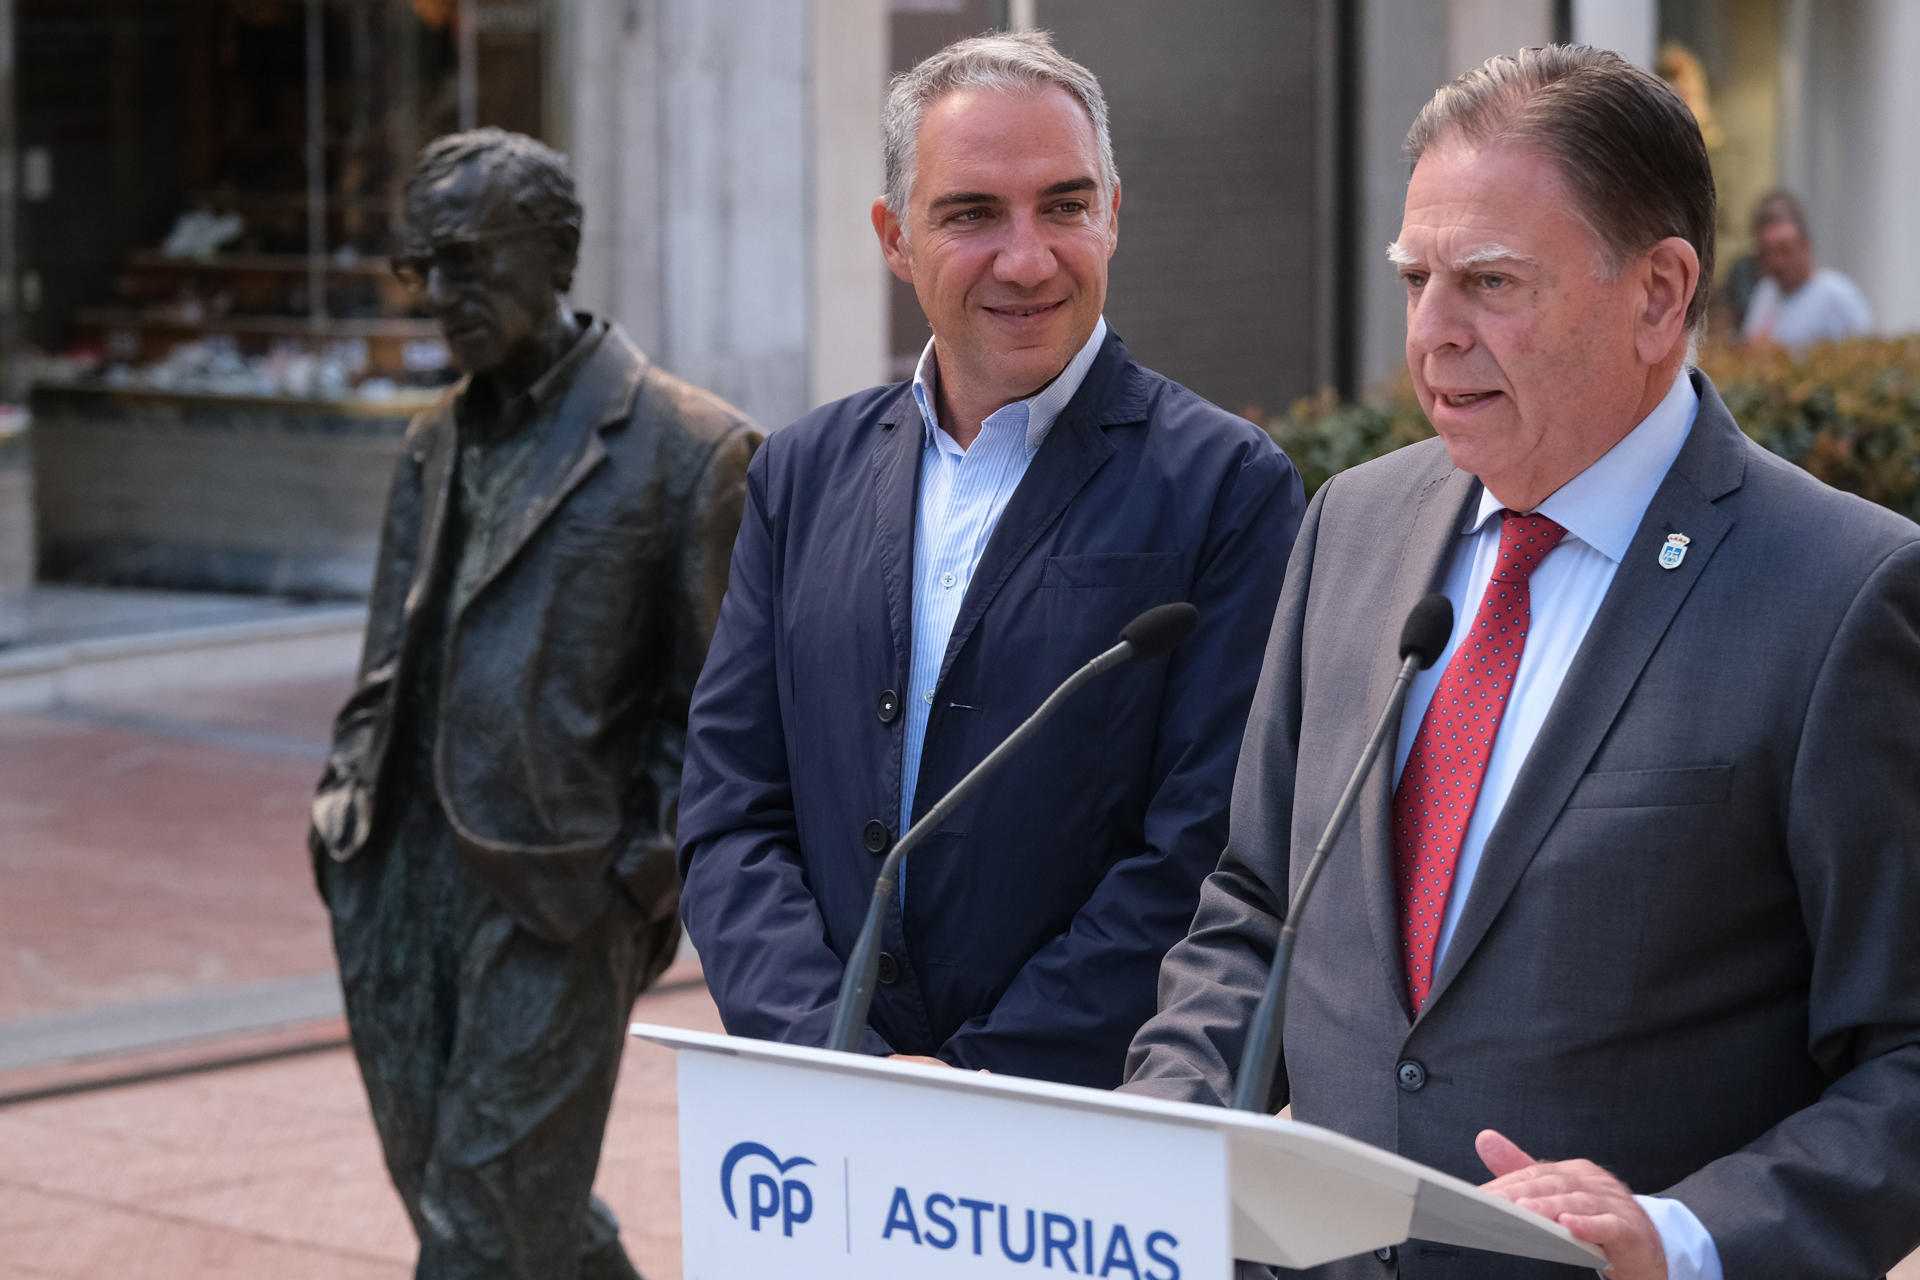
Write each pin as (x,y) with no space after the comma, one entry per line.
(918,567)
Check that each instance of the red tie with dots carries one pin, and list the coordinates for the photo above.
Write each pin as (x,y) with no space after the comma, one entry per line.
(1442,776)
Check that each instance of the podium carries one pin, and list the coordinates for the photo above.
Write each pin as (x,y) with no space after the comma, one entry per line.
(799,1162)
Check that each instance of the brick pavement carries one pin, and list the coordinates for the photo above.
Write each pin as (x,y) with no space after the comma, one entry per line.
(151,848)
(152,845)
(273,1171)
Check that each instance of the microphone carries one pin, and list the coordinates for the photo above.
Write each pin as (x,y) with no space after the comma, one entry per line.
(1157,631)
(1428,625)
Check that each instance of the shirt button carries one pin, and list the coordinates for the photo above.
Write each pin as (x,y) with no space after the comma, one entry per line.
(889,969)
(929,697)
(1384,1253)
(876,836)
(888,708)
(1410,1075)
(947,580)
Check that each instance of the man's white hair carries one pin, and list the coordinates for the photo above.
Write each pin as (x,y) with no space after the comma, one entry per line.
(1005,61)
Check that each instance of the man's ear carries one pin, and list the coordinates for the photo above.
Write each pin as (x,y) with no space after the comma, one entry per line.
(893,240)
(1669,273)
(1113,222)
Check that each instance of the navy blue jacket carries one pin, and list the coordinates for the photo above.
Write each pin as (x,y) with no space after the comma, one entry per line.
(1035,919)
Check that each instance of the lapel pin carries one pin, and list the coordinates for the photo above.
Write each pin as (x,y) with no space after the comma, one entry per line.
(1674,551)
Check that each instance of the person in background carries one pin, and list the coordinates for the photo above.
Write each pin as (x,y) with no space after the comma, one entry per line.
(1796,304)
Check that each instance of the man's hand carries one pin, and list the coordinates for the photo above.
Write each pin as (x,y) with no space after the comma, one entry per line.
(1582,1197)
(914,1057)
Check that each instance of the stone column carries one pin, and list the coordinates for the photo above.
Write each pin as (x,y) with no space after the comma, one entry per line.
(1631,28)
(1848,147)
(1478,29)
(1403,57)
(16,526)
(848,321)
(726,156)
(16,471)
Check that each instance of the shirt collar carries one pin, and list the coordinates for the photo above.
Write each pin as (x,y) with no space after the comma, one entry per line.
(1603,505)
(1038,411)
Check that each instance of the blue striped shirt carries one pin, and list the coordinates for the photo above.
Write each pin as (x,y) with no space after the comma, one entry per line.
(962,493)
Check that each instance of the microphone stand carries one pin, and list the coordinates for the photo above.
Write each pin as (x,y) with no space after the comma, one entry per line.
(863,966)
(1261,1056)
(1155,632)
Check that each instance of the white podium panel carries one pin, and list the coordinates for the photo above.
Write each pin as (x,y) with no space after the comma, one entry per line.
(798,1162)
(862,1177)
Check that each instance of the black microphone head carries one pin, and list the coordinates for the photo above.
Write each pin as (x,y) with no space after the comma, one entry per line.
(1159,630)
(1428,628)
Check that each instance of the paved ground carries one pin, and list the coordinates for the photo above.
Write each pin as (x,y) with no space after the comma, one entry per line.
(176,1102)
(272,1171)
(158,900)
(152,845)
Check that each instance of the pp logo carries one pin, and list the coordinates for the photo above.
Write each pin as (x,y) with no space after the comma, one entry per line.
(788,1198)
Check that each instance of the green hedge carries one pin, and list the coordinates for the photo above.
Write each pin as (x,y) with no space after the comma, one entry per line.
(1849,412)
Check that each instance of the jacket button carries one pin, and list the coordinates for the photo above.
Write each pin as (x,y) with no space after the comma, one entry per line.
(888,708)
(1411,1075)
(1384,1253)
(889,969)
(876,837)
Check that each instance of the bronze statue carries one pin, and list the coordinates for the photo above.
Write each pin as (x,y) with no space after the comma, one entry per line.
(494,830)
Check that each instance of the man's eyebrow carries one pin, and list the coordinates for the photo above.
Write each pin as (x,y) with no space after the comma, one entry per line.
(1480,255)
(964,197)
(1477,256)
(1068,187)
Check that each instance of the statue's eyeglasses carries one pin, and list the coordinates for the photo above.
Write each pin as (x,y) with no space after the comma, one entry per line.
(460,259)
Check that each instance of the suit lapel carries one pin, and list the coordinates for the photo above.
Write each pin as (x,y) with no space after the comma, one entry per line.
(437,447)
(1638,608)
(1074,449)
(1431,541)
(600,398)
(896,487)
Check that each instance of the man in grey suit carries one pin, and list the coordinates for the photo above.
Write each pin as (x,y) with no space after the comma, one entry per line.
(1639,891)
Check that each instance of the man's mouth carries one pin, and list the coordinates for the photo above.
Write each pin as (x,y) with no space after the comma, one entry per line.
(1464,399)
(1025,310)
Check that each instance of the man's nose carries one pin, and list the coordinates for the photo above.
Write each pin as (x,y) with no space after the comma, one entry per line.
(1437,317)
(1026,258)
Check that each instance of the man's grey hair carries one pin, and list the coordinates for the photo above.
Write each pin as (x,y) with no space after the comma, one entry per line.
(1005,61)
(536,176)
(1625,144)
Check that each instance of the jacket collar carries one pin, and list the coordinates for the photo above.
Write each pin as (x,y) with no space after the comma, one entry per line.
(1116,391)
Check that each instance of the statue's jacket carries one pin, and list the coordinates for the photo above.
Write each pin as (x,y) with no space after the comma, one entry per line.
(567,670)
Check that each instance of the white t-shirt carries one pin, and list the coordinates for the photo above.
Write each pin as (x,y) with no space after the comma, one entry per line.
(1826,307)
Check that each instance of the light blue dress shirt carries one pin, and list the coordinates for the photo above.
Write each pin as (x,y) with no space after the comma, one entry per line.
(1601,508)
(962,493)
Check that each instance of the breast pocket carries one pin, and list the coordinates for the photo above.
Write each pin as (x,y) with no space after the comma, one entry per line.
(1137,571)
(597,580)
(1653,788)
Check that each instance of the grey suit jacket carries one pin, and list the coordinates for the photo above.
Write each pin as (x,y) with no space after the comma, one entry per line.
(1692,948)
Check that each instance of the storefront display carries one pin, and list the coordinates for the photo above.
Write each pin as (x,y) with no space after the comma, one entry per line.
(206,255)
